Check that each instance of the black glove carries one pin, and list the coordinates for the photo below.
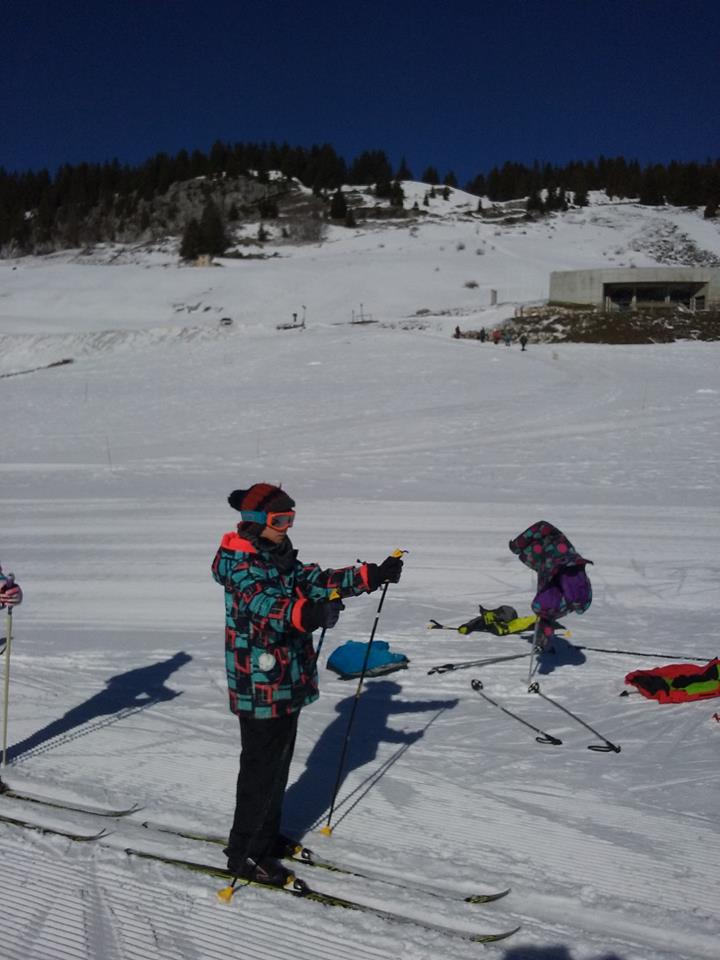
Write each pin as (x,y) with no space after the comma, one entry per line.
(389,571)
(321,613)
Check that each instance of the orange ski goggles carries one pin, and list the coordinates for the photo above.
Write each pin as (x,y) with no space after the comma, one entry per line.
(280,520)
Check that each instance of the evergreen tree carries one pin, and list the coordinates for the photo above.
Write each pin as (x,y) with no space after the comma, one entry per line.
(651,193)
(403,171)
(535,203)
(198,164)
(397,194)
(430,176)
(191,241)
(450,179)
(212,230)
(338,206)
(323,169)
(477,185)
(370,167)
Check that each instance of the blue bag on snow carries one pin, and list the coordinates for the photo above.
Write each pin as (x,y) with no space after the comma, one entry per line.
(347,660)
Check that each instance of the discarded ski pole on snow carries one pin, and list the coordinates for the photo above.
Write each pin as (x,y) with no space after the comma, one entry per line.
(327,829)
(637,653)
(486,661)
(606,747)
(544,738)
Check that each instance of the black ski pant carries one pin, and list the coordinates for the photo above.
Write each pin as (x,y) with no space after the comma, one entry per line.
(267,749)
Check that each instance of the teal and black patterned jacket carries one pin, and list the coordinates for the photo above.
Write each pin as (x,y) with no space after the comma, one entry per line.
(270,660)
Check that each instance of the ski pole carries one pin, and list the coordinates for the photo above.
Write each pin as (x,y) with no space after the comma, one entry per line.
(8,647)
(545,738)
(637,653)
(447,667)
(535,649)
(333,596)
(327,829)
(605,747)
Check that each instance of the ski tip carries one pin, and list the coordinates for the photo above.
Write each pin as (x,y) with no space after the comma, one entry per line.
(487,897)
(326,831)
(493,937)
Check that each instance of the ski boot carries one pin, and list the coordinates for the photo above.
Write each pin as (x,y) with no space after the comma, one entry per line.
(271,873)
(285,848)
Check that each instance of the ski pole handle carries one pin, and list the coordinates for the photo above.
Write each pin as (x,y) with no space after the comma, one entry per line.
(335,595)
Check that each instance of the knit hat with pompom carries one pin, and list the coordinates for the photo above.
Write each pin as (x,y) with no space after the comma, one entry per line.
(260,497)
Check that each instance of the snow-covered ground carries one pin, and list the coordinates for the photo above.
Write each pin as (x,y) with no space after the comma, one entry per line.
(115,471)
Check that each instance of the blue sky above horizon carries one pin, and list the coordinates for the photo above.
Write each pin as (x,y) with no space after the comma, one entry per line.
(461,85)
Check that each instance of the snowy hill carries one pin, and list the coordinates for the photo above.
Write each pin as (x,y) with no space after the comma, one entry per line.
(115,470)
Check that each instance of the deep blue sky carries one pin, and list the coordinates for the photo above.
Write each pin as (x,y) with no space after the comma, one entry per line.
(462,84)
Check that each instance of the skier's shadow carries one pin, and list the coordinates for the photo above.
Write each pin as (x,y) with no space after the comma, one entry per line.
(124,694)
(307,800)
(560,654)
(558,952)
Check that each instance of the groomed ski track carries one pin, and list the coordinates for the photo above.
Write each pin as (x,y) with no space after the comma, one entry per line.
(114,478)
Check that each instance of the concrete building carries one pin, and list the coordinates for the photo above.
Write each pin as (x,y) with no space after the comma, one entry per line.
(630,288)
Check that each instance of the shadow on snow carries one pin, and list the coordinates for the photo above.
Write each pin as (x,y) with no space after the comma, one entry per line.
(124,694)
(307,801)
(563,654)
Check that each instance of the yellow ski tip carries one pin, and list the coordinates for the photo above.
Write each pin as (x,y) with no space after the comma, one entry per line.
(226,894)
(326,831)
(397,552)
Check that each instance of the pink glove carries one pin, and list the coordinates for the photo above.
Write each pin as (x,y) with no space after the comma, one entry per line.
(10,593)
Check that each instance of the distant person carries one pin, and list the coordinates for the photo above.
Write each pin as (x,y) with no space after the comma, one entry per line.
(496,336)
(507,337)
(456,334)
(523,341)
(10,593)
(273,602)
(483,335)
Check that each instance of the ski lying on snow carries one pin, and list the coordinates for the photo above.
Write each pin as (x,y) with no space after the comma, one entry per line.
(306,857)
(328,899)
(41,828)
(97,811)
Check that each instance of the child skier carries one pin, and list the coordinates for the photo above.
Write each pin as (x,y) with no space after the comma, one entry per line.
(273,602)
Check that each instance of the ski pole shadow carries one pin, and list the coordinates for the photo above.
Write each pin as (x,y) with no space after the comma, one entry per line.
(124,694)
(560,654)
(558,952)
(308,798)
